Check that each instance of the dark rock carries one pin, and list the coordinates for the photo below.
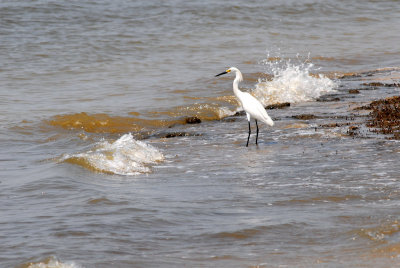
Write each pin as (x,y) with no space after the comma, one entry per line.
(373,84)
(379,84)
(331,125)
(304,116)
(240,113)
(352,131)
(385,116)
(278,106)
(176,134)
(354,91)
(192,120)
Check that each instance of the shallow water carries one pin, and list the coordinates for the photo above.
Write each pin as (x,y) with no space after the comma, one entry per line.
(79,191)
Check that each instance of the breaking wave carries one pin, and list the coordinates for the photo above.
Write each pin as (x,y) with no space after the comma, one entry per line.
(125,156)
(51,262)
(292,82)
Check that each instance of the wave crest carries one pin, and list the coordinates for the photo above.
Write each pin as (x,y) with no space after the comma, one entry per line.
(125,156)
(51,262)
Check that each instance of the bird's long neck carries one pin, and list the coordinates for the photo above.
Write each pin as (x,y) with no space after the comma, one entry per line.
(238,79)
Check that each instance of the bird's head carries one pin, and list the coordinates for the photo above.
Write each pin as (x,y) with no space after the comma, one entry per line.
(235,70)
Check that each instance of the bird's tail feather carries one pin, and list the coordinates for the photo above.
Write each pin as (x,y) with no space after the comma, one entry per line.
(267,120)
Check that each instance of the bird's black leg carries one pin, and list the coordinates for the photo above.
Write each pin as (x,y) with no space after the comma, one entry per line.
(248,137)
(257,132)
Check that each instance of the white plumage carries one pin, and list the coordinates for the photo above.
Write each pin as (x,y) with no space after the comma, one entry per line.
(252,107)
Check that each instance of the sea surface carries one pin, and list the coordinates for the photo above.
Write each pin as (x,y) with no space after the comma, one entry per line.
(101,164)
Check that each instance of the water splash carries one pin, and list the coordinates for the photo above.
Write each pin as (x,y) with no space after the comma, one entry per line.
(125,156)
(291,82)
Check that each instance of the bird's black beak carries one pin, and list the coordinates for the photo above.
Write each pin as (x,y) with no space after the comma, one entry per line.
(221,73)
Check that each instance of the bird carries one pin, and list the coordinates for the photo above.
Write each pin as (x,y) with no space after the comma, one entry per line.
(252,106)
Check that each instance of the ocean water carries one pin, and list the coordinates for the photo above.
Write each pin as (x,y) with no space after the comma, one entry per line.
(100,165)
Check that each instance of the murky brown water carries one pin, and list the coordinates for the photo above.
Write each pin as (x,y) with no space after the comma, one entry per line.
(104,163)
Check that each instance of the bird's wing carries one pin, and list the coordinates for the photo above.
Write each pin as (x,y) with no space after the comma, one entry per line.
(254,107)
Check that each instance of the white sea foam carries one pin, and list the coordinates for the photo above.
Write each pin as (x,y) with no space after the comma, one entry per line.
(53,262)
(292,82)
(125,156)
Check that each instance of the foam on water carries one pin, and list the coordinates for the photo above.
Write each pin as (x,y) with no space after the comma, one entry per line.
(51,262)
(292,82)
(125,156)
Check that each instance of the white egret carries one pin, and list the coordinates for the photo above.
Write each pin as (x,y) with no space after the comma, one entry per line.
(250,105)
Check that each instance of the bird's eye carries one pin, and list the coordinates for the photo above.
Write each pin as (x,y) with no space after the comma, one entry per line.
(228,71)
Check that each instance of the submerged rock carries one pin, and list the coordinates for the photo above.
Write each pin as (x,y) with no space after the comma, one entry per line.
(192,120)
(354,91)
(379,84)
(332,125)
(168,135)
(304,116)
(278,106)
